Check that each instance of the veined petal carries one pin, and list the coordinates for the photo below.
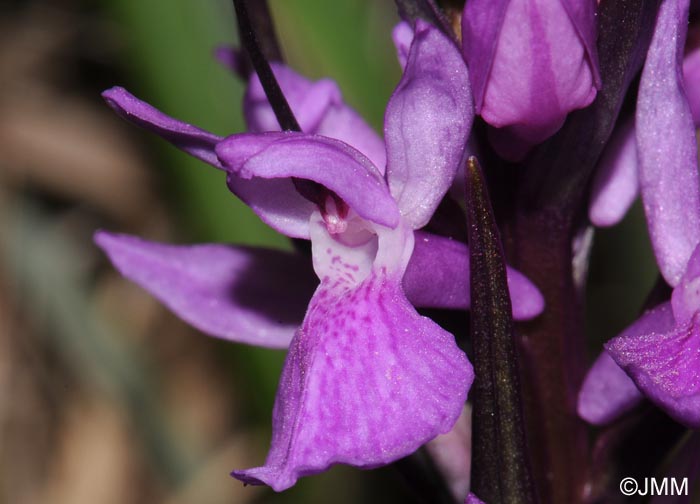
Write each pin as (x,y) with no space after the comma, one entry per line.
(194,141)
(427,123)
(665,366)
(318,107)
(540,71)
(241,294)
(367,380)
(438,277)
(481,25)
(263,164)
(668,169)
(616,184)
(607,392)
(583,16)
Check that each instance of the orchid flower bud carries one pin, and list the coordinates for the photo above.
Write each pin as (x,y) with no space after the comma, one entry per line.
(531,62)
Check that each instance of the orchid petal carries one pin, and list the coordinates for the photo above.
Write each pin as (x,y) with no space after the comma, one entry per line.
(438,277)
(540,70)
(616,185)
(194,141)
(263,165)
(367,380)
(452,454)
(231,58)
(691,77)
(344,124)
(426,125)
(481,26)
(308,100)
(583,16)
(402,35)
(318,107)
(667,148)
(665,365)
(607,392)
(246,295)
(276,202)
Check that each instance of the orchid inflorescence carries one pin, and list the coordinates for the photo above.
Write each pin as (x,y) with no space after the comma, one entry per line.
(573,108)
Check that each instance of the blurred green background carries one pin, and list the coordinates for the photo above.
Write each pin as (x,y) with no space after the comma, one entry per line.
(104,396)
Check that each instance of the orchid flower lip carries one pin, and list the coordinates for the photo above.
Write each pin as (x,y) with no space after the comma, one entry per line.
(360,306)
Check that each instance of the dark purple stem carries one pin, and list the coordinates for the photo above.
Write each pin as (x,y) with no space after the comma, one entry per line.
(248,27)
(249,38)
(552,349)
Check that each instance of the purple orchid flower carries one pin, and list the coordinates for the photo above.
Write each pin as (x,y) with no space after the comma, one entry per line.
(367,380)
(530,64)
(319,109)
